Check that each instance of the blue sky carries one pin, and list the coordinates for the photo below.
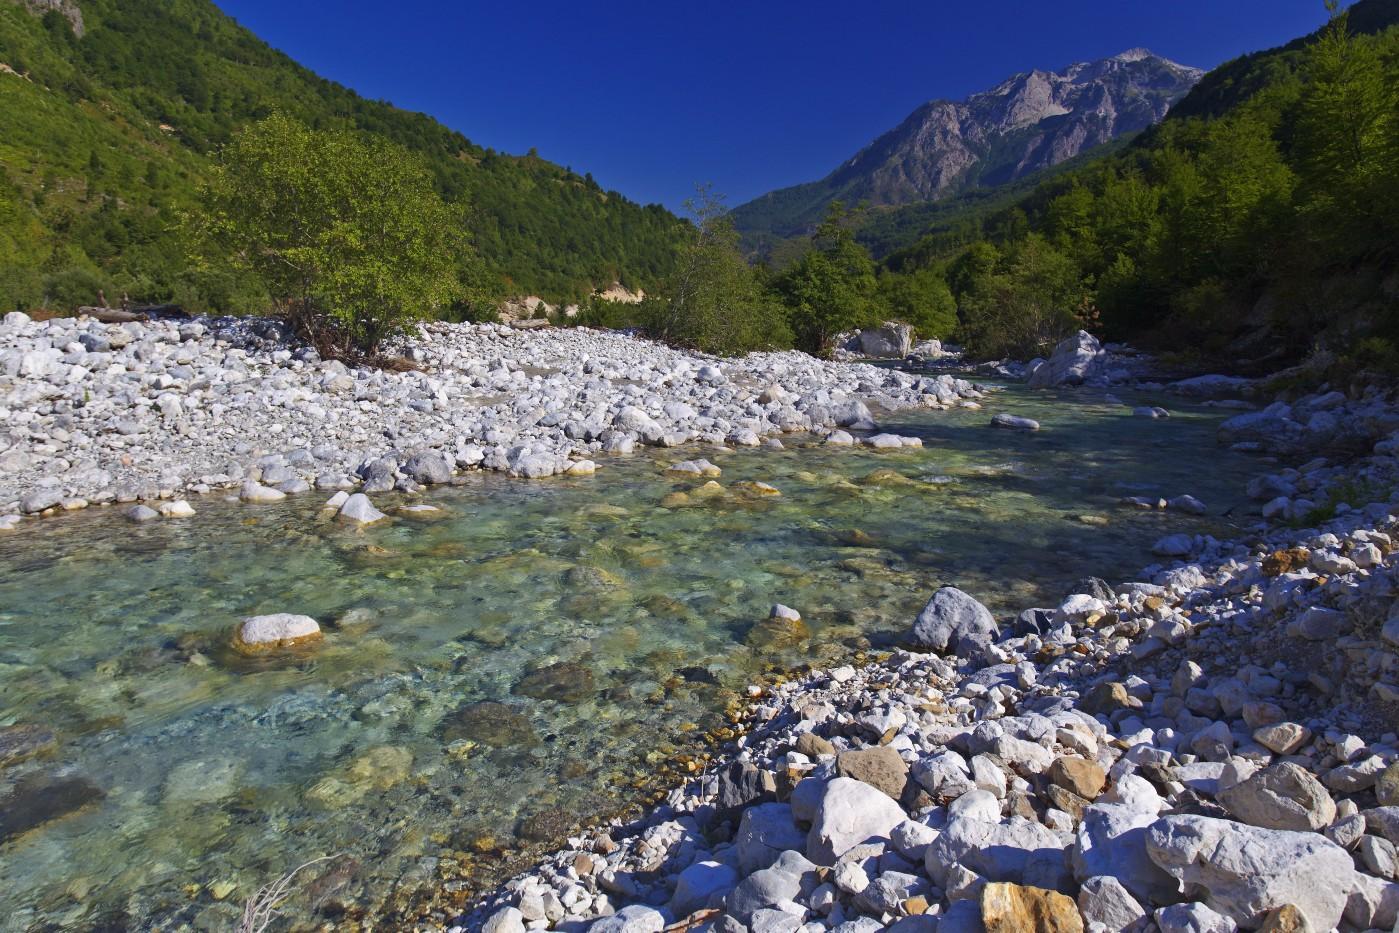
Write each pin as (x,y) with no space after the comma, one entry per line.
(652,97)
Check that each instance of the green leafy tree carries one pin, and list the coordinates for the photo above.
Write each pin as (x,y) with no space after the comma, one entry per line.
(832,288)
(345,232)
(714,300)
(1025,307)
(1347,139)
(921,299)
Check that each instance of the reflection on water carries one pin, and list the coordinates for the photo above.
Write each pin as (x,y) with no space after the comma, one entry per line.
(493,674)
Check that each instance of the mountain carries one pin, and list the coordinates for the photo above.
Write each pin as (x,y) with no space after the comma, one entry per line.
(111,112)
(1029,122)
(1253,227)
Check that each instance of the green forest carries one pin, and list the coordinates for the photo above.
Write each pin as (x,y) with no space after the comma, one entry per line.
(106,140)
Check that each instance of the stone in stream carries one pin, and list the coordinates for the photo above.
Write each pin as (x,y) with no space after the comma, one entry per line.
(566,682)
(141,513)
(1177,545)
(694,468)
(360,510)
(267,633)
(489,723)
(22,741)
(37,799)
(1014,422)
(257,493)
(39,500)
(429,468)
(178,508)
(948,616)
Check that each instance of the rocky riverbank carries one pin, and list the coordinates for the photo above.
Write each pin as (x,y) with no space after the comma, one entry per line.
(98,413)
(1211,747)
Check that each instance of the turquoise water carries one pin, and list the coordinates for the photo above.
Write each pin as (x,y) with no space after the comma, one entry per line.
(493,676)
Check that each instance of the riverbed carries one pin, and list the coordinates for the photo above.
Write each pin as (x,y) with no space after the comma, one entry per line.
(515,664)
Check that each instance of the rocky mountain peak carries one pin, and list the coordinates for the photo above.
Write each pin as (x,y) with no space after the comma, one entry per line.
(1028,122)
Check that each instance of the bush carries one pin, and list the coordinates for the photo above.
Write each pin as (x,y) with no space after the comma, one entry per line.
(714,302)
(71,287)
(346,232)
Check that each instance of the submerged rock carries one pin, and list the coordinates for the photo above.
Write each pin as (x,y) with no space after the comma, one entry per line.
(42,798)
(24,740)
(566,682)
(489,723)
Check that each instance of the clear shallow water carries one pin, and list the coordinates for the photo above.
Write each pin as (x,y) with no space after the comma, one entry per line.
(509,667)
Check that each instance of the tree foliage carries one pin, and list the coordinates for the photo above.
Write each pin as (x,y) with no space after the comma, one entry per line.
(714,301)
(344,232)
(832,287)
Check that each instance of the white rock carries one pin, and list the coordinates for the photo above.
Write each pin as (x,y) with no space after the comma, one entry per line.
(256,492)
(1245,871)
(1104,900)
(850,812)
(359,509)
(277,628)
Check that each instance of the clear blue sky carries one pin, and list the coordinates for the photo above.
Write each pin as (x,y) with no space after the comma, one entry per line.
(652,97)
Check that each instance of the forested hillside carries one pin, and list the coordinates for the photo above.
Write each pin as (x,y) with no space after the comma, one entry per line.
(1260,219)
(107,135)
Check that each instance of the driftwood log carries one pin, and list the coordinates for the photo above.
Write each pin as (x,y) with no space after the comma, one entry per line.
(140,313)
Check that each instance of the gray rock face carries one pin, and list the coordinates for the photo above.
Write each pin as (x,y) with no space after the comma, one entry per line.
(429,469)
(1245,871)
(851,812)
(764,832)
(635,918)
(891,340)
(760,890)
(697,885)
(1112,840)
(948,616)
(1016,851)
(1283,796)
(1103,899)
(1075,360)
